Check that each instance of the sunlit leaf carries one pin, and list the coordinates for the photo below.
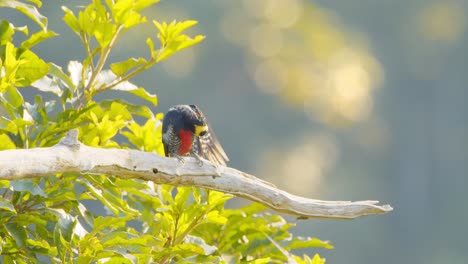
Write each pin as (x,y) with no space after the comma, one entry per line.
(6,143)
(41,246)
(142,4)
(104,32)
(6,32)
(120,68)
(13,97)
(171,38)
(261,261)
(102,222)
(124,13)
(142,93)
(32,68)
(27,9)
(71,20)
(150,44)
(37,38)
(301,242)
(216,218)
(318,260)
(57,72)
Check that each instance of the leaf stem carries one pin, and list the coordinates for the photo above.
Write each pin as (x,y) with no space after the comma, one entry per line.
(102,60)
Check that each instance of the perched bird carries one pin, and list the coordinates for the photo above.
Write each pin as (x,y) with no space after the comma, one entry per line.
(186,132)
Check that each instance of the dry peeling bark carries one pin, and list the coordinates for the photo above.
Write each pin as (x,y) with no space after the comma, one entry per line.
(69,155)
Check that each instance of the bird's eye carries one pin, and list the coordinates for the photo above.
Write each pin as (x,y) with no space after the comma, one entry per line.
(203,133)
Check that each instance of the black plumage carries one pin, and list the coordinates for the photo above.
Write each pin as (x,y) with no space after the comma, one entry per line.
(186,132)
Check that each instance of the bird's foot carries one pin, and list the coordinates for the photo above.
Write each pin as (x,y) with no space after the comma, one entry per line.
(180,159)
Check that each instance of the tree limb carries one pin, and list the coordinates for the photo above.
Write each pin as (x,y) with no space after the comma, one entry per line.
(69,155)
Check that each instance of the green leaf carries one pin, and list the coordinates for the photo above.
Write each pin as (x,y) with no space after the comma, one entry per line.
(71,20)
(60,242)
(111,222)
(6,205)
(98,194)
(6,32)
(120,68)
(172,39)
(37,38)
(125,14)
(6,143)
(208,249)
(215,218)
(13,97)
(17,232)
(27,218)
(142,4)
(150,44)
(218,198)
(4,183)
(33,68)
(178,44)
(318,260)
(262,261)
(185,250)
(104,32)
(142,93)
(181,198)
(27,9)
(8,126)
(41,246)
(57,72)
(27,186)
(301,242)
(119,238)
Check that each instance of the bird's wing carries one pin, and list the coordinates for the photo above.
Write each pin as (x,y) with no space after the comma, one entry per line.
(209,148)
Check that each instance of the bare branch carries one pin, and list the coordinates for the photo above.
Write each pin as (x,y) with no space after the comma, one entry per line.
(69,155)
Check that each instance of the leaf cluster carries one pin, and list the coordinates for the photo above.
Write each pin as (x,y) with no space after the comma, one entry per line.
(54,219)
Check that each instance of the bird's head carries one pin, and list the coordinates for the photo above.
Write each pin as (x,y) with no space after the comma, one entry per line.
(196,121)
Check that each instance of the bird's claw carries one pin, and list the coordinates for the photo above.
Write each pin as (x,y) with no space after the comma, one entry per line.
(181,160)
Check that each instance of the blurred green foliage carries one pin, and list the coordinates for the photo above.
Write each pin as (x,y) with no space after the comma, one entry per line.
(48,220)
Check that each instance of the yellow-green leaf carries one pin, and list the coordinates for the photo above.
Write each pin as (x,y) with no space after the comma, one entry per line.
(6,143)
(27,9)
(37,38)
(120,68)
(318,260)
(142,93)
(71,20)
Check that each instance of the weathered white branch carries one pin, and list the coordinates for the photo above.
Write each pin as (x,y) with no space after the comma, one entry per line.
(72,156)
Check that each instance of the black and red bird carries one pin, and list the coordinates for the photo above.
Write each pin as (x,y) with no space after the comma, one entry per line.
(186,132)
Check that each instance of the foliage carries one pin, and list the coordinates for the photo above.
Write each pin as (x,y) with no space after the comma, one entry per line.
(52,219)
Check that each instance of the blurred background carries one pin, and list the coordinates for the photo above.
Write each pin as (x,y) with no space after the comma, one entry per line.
(333,100)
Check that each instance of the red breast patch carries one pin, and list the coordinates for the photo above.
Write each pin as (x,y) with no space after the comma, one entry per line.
(185,141)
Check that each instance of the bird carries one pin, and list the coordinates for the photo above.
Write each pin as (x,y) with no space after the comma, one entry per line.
(186,132)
